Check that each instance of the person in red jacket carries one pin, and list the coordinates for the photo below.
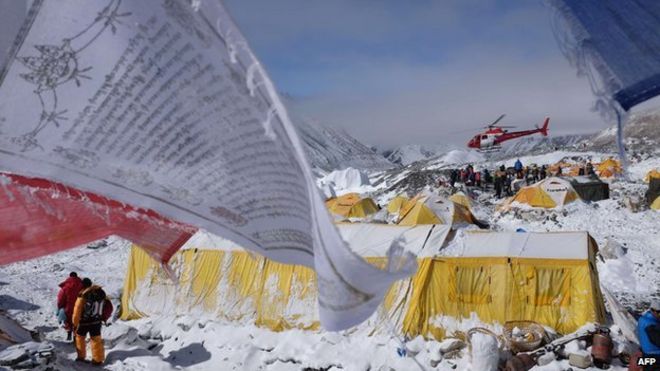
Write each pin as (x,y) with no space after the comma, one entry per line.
(66,300)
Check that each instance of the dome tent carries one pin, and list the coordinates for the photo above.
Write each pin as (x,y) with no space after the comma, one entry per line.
(549,193)
(427,208)
(395,205)
(351,205)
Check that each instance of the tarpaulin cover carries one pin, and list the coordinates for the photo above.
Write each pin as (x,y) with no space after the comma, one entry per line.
(619,40)
(590,189)
(550,278)
(39,217)
(654,190)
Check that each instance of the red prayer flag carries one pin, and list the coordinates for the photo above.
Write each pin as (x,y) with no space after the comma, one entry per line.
(40,217)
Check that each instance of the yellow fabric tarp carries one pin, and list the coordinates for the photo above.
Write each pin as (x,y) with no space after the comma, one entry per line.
(561,294)
(656,204)
(235,286)
(351,206)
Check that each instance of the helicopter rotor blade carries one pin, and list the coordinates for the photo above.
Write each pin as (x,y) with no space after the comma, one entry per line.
(498,120)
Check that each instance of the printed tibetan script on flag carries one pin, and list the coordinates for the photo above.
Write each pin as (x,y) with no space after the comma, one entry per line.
(162,105)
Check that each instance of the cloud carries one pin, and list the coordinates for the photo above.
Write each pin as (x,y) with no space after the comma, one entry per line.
(391,73)
(413,104)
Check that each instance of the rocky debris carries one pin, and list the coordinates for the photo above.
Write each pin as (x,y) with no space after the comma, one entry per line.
(416,181)
(28,356)
(98,245)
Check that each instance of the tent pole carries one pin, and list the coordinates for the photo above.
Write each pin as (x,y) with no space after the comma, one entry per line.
(620,144)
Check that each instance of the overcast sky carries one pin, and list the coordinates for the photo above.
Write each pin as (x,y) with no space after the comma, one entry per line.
(393,72)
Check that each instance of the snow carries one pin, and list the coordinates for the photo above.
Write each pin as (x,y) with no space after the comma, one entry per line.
(408,154)
(347,181)
(456,158)
(629,240)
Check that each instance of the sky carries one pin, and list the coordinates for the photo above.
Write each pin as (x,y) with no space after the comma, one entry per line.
(394,72)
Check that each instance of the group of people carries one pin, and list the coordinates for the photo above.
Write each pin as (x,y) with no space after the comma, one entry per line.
(84,308)
(503,179)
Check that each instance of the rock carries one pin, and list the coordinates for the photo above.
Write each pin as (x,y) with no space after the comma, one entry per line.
(546,359)
(13,355)
(580,359)
(450,345)
(612,250)
(117,332)
(27,355)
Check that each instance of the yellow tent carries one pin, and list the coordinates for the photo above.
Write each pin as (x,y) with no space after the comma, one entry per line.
(609,168)
(548,193)
(395,205)
(656,204)
(653,174)
(431,209)
(351,206)
(416,212)
(461,199)
(550,278)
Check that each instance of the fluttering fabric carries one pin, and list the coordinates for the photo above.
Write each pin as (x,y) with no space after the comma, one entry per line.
(619,41)
(40,217)
(616,44)
(161,104)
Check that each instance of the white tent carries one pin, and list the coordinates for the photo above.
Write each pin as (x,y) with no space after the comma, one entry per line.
(553,245)
(367,240)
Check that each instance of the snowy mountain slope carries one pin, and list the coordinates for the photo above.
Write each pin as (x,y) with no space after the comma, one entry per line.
(330,149)
(537,145)
(407,154)
(642,134)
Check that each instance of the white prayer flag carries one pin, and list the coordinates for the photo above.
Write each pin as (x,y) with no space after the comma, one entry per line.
(162,105)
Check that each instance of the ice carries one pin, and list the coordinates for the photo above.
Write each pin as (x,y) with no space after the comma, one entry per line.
(485,355)
(347,180)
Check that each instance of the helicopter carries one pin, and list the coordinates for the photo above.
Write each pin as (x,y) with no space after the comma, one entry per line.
(491,139)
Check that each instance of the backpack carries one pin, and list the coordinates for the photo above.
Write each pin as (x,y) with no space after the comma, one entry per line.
(93,309)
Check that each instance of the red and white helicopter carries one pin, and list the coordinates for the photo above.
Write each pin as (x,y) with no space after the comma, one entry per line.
(491,139)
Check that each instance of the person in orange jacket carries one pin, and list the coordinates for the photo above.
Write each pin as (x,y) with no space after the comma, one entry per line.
(92,309)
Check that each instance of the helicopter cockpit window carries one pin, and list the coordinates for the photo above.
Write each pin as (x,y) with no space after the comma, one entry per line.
(484,137)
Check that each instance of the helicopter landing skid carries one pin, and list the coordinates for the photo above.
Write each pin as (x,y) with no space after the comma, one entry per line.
(490,149)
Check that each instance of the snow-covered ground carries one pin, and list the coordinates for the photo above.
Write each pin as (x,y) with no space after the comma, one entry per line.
(28,290)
